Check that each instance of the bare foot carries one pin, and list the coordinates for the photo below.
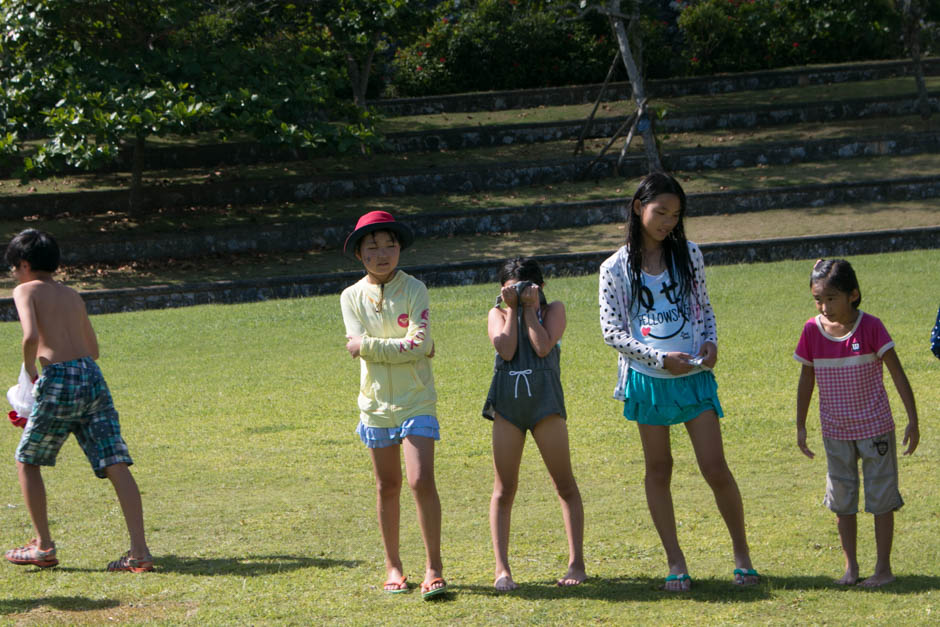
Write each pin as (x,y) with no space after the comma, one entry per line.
(574,577)
(504,583)
(877,580)
(850,578)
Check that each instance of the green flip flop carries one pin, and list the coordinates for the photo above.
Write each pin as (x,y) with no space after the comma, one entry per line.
(427,592)
(745,572)
(401,583)
(681,579)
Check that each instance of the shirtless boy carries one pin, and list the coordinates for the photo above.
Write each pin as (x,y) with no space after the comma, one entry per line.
(71,397)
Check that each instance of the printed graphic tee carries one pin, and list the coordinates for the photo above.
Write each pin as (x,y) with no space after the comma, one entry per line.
(662,321)
(853,403)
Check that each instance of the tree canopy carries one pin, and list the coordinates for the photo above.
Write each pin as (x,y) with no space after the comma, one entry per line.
(89,80)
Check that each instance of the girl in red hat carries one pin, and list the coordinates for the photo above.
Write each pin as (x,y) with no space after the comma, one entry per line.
(388,329)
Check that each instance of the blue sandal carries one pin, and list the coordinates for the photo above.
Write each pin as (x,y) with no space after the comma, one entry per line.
(681,579)
(741,573)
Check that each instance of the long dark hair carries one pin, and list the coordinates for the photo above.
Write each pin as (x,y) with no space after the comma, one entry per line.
(675,246)
(836,273)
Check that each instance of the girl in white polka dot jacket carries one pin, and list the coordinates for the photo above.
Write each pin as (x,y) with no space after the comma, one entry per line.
(655,311)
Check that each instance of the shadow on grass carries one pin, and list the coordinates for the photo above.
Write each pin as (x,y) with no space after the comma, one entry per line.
(713,590)
(630,590)
(71,604)
(249,566)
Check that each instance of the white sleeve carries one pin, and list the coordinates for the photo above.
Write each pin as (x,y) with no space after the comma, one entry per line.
(614,301)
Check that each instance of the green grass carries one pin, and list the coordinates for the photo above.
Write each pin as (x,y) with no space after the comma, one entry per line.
(259,498)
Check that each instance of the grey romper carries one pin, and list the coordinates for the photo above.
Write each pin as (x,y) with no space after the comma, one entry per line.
(528,387)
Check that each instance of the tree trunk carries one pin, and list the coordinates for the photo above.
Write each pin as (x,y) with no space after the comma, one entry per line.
(912,11)
(359,77)
(137,175)
(636,80)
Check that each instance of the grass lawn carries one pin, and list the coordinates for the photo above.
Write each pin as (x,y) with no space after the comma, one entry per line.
(259,499)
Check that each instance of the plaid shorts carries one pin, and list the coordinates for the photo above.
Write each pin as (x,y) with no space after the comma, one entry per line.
(72,397)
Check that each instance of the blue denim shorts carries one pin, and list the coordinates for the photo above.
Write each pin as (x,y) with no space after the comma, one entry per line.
(377,437)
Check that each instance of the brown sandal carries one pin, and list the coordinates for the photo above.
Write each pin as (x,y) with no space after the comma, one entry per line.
(31,555)
(128,563)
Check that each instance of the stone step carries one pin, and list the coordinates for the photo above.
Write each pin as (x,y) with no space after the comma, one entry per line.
(242,291)
(463,138)
(331,235)
(472,178)
(661,88)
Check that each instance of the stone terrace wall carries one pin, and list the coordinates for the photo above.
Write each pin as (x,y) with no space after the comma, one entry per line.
(326,235)
(664,88)
(227,292)
(473,178)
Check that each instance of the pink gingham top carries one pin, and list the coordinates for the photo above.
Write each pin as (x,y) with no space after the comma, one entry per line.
(853,403)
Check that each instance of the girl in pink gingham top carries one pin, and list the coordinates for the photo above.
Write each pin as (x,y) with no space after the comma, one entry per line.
(843,349)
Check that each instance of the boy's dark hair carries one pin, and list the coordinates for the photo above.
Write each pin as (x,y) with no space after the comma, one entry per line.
(675,247)
(521,269)
(839,274)
(37,247)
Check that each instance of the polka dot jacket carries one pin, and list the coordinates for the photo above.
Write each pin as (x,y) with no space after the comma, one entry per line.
(615,310)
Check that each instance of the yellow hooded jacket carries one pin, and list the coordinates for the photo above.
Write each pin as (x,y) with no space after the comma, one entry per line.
(395,381)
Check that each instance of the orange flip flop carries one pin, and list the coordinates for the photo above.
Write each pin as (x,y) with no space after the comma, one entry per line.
(402,586)
(427,592)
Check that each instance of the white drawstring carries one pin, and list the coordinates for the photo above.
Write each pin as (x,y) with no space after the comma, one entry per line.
(521,373)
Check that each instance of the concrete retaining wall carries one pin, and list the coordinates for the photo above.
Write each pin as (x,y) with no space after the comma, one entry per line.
(668,88)
(315,236)
(750,117)
(478,178)
(227,292)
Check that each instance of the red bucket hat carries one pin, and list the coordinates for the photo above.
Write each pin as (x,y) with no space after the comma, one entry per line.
(377,221)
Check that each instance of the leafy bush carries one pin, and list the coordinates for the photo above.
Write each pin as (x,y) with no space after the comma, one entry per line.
(500,44)
(90,82)
(737,35)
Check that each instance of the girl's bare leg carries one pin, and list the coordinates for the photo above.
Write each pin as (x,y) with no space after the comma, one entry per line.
(386,464)
(848,538)
(419,467)
(709,452)
(508,442)
(884,537)
(551,436)
(657,453)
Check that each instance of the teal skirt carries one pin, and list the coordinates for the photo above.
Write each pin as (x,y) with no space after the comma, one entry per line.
(672,401)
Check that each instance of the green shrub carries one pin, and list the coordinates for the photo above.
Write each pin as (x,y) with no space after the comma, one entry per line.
(500,44)
(480,45)
(737,35)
